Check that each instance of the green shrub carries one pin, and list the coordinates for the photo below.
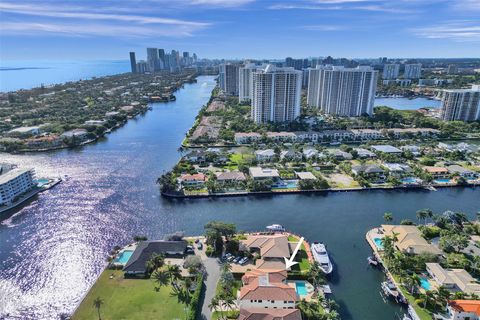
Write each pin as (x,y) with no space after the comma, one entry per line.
(194,304)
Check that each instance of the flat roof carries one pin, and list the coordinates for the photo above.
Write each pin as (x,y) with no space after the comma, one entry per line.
(12,174)
(259,172)
(386,148)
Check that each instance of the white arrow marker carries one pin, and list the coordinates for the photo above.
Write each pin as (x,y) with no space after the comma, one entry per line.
(289,262)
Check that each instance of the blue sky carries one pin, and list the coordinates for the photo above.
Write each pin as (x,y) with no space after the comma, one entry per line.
(108,29)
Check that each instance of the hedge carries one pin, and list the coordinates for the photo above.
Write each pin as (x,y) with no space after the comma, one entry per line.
(194,307)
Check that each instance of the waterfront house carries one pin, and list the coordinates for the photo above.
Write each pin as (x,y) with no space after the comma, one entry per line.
(136,265)
(271,248)
(267,290)
(80,134)
(410,239)
(463,310)
(232,176)
(196,179)
(269,314)
(307,175)
(436,172)
(94,122)
(398,133)
(24,131)
(462,172)
(258,173)
(196,156)
(247,137)
(454,280)
(371,171)
(398,169)
(307,136)
(264,155)
(364,153)
(386,149)
(43,142)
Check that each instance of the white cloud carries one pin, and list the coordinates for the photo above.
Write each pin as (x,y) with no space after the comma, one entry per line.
(461,31)
(82,30)
(69,12)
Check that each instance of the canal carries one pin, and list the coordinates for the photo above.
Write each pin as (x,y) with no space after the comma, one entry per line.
(53,249)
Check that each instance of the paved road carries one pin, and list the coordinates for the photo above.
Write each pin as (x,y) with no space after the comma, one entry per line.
(213,269)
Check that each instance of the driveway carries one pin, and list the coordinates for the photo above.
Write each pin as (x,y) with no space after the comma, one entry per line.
(213,275)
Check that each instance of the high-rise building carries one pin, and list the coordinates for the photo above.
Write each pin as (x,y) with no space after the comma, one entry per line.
(228,78)
(133,62)
(461,104)
(152,59)
(14,183)
(342,91)
(142,66)
(245,83)
(276,94)
(413,71)
(452,69)
(391,71)
(161,58)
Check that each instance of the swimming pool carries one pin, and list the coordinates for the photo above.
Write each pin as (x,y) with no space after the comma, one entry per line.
(301,288)
(378,243)
(409,180)
(42,182)
(424,283)
(288,184)
(443,180)
(123,257)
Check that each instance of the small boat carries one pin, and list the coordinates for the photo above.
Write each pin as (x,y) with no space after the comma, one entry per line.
(320,255)
(372,261)
(390,289)
(275,228)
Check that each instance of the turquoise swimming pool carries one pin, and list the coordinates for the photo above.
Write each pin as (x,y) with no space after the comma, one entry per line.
(301,288)
(424,283)
(409,180)
(443,180)
(123,257)
(379,243)
(288,184)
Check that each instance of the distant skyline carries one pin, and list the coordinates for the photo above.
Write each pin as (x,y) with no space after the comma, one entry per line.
(238,29)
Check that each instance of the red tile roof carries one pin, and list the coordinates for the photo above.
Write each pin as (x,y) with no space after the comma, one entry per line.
(472,306)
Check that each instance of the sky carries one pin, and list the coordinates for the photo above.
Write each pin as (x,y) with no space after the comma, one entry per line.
(230,29)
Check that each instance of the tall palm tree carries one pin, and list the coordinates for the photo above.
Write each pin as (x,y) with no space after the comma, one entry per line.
(214,304)
(161,278)
(97,304)
(412,282)
(174,274)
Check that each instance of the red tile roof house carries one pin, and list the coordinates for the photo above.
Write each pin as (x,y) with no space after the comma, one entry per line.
(266,289)
(269,314)
(193,179)
(464,310)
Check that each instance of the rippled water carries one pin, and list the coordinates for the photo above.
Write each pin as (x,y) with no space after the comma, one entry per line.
(53,249)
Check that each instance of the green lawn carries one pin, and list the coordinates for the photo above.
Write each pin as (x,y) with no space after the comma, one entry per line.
(239,158)
(422,313)
(237,284)
(129,299)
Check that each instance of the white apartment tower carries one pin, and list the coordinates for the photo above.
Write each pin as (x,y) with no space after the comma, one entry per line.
(461,104)
(14,183)
(276,94)
(342,91)
(391,71)
(228,78)
(413,71)
(245,83)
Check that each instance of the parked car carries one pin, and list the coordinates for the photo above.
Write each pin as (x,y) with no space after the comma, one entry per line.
(197,240)
(189,250)
(243,261)
(237,259)
(199,246)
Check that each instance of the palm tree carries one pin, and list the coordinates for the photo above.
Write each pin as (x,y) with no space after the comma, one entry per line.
(214,304)
(174,274)
(443,295)
(412,282)
(161,278)
(388,216)
(156,261)
(424,214)
(97,304)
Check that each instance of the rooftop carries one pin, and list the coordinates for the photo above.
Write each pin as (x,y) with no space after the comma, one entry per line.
(386,148)
(410,239)
(269,314)
(471,306)
(258,172)
(12,174)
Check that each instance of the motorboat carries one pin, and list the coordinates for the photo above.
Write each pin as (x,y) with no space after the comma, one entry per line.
(320,255)
(390,289)
(275,228)
(372,261)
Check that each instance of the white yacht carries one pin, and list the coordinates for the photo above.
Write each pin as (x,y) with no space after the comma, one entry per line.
(275,228)
(390,289)
(320,255)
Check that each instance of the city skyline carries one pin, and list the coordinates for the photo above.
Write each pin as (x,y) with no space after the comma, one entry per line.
(230,29)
